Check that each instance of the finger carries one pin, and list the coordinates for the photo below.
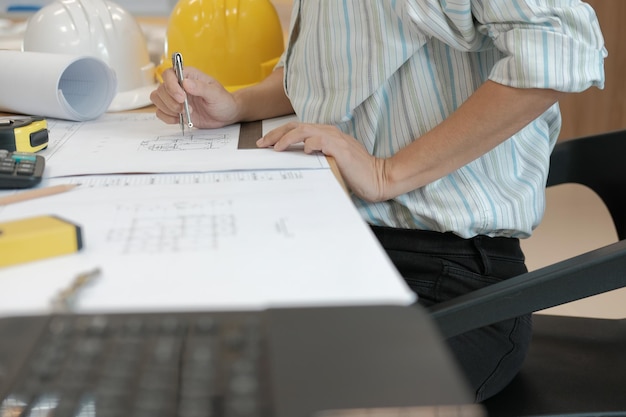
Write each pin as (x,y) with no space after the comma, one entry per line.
(210,92)
(167,118)
(276,134)
(201,88)
(193,73)
(171,86)
(164,101)
(162,111)
(313,144)
(304,132)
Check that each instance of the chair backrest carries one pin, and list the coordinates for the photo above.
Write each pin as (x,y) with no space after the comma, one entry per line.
(575,365)
(595,162)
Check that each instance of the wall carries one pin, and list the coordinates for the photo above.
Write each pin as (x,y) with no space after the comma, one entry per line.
(596,111)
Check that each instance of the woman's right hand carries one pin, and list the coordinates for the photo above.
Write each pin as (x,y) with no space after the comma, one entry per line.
(210,104)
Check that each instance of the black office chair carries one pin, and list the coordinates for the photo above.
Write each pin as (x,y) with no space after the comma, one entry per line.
(575,366)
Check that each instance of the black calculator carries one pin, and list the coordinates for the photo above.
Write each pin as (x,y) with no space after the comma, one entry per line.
(20,169)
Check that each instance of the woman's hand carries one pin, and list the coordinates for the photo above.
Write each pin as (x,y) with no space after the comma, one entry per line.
(210,104)
(363,174)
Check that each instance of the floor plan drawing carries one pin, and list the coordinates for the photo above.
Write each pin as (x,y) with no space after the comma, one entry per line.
(140,143)
(198,141)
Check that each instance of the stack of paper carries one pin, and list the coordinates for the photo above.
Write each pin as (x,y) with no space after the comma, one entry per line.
(206,226)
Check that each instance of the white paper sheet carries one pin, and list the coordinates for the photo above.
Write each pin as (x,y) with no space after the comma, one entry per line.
(55,85)
(230,240)
(140,143)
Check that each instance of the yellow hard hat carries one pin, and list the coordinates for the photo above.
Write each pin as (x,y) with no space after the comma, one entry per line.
(237,42)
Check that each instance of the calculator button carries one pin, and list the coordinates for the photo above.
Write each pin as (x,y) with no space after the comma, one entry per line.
(7,166)
(26,164)
(20,170)
(25,170)
(18,156)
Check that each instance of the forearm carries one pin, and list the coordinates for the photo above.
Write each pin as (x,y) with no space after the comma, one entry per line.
(264,100)
(491,115)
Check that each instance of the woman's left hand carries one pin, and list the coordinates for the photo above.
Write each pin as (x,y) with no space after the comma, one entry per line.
(363,173)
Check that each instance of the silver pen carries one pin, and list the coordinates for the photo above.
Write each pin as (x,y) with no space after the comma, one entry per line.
(177,64)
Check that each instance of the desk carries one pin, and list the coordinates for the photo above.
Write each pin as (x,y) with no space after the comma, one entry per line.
(286,237)
(323,255)
(300,244)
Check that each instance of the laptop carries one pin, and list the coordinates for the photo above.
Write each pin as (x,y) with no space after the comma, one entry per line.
(281,362)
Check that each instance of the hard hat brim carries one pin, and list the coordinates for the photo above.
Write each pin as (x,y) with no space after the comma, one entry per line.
(132,99)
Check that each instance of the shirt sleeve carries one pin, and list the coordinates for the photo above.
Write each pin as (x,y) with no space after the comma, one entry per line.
(554,44)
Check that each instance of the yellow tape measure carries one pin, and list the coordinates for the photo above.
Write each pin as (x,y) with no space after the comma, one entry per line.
(36,238)
(23,134)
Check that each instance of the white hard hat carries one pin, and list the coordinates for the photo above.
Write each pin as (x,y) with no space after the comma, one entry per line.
(99,28)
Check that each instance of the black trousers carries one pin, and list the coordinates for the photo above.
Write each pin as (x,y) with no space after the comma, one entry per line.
(441,266)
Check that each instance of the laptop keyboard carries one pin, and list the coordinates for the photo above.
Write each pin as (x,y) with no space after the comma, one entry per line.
(279,362)
(186,365)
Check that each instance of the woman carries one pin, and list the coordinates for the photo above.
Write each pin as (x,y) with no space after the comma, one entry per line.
(441,117)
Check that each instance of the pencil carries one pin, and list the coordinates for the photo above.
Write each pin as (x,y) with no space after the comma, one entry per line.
(36,193)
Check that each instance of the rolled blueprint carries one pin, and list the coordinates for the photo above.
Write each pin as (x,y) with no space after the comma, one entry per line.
(59,86)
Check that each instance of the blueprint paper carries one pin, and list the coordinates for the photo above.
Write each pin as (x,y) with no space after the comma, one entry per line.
(224,240)
(140,143)
(55,85)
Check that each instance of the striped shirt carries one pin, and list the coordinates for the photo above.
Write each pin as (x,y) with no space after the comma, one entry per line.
(388,71)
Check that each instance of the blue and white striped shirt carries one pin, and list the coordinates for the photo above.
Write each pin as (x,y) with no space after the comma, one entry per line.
(388,71)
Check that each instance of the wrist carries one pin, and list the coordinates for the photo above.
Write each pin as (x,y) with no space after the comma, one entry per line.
(385,185)
(264,100)
(241,112)
(399,175)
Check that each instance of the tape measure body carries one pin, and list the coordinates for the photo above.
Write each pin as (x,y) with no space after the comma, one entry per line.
(23,134)
(36,238)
